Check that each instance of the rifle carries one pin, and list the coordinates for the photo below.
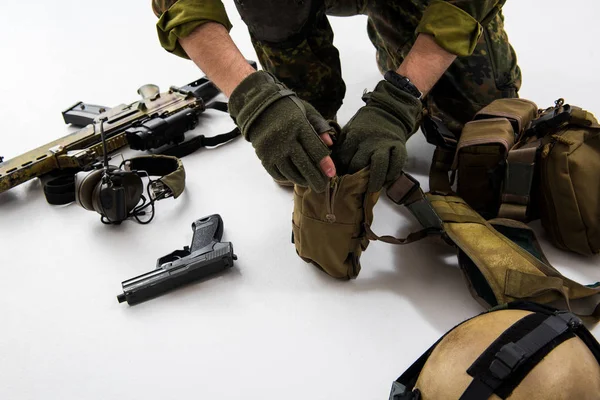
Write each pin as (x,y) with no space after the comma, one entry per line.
(157,120)
(206,256)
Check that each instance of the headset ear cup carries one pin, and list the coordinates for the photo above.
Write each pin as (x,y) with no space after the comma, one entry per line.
(85,182)
(134,188)
(116,201)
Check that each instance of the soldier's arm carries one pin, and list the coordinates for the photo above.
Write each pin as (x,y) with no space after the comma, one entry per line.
(213,50)
(425,63)
(448,29)
(199,30)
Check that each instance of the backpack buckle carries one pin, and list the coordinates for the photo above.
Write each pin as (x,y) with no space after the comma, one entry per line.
(507,360)
(437,133)
(551,121)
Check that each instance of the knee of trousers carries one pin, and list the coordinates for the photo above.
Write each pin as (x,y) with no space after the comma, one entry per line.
(278,21)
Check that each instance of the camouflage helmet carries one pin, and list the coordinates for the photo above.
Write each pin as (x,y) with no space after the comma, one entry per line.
(520,351)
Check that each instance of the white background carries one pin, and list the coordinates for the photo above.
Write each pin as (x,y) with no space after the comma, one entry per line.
(273,327)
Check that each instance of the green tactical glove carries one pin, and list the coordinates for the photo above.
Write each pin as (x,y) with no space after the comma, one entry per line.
(283,130)
(377,134)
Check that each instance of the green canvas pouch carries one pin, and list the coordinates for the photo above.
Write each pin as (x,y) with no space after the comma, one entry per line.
(479,163)
(329,227)
(480,158)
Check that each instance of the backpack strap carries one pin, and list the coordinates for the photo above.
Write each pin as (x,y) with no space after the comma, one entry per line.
(518,181)
(501,265)
(445,143)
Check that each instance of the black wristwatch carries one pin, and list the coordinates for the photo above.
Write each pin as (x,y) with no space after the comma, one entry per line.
(403,83)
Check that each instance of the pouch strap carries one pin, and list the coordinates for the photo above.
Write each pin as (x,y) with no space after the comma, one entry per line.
(198,142)
(441,165)
(413,237)
(406,191)
(518,181)
(520,285)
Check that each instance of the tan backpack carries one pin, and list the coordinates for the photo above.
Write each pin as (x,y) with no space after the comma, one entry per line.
(561,151)
(514,161)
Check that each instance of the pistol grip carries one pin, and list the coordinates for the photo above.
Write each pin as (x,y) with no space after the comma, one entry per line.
(207,231)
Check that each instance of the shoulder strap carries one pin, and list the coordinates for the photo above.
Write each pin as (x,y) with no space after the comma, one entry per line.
(504,268)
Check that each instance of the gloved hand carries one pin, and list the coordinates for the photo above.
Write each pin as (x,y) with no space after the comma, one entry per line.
(283,130)
(377,134)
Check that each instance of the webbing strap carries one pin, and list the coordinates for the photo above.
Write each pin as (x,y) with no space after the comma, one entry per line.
(194,144)
(413,237)
(60,190)
(407,191)
(441,165)
(514,355)
(518,181)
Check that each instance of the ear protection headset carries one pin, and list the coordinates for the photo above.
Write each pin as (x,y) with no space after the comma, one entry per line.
(115,193)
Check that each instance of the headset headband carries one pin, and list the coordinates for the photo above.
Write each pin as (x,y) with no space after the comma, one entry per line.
(170,169)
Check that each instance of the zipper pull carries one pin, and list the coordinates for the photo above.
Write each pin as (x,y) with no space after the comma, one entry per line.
(330,199)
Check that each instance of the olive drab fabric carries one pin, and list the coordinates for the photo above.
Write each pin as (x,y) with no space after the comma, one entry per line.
(328,228)
(311,67)
(178,18)
(500,258)
(308,62)
(482,150)
(511,263)
(376,136)
(515,161)
(283,129)
(569,167)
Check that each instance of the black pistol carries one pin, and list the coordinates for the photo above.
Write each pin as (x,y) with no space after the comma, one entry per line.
(206,256)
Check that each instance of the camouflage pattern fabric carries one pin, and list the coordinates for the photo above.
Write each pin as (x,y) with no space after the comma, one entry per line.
(160,6)
(312,67)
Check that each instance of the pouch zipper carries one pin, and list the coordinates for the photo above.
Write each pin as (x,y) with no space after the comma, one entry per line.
(330,195)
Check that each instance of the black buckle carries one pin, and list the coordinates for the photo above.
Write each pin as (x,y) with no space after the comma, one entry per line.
(400,392)
(437,134)
(416,186)
(573,321)
(507,360)
(551,121)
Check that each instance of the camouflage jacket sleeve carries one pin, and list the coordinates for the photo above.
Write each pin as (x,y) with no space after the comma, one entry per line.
(178,18)
(456,25)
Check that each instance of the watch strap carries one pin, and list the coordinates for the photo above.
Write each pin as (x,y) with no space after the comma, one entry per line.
(403,83)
